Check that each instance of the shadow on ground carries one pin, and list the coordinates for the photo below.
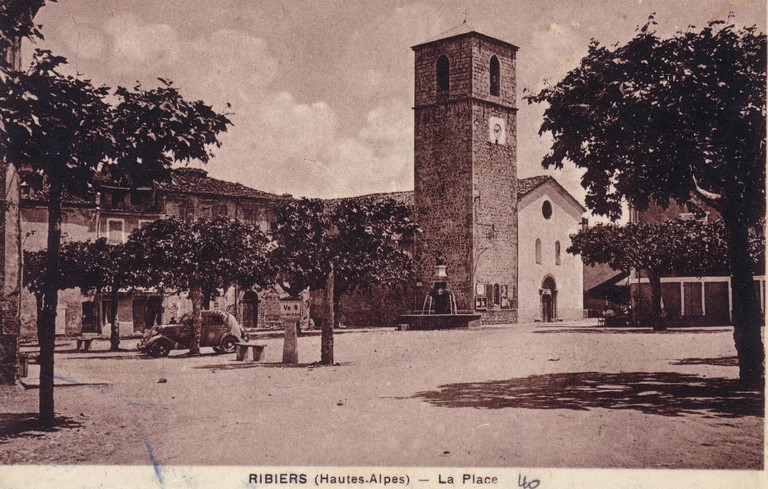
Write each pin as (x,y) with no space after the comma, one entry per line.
(27,425)
(660,393)
(717,361)
(599,330)
(239,365)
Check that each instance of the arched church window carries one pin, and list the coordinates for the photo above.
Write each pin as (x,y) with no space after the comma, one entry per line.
(443,73)
(557,252)
(538,251)
(495,76)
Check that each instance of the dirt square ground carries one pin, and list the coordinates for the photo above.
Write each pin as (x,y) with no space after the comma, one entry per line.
(594,397)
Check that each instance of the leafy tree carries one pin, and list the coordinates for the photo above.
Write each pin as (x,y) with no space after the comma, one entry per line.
(69,274)
(340,247)
(668,247)
(105,266)
(200,257)
(17,23)
(65,130)
(659,119)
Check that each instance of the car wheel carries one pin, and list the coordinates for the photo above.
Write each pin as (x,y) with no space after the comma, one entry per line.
(228,344)
(160,349)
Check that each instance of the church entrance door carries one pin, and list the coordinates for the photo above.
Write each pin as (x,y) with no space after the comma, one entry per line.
(548,293)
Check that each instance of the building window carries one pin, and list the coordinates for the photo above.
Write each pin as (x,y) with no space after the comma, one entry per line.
(538,251)
(119,200)
(443,74)
(115,230)
(496,294)
(495,76)
(186,211)
(220,210)
(692,303)
(504,293)
(557,252)
(546,209)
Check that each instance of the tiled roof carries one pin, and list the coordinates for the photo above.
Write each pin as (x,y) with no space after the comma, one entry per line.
(405,197)
(462,29)
(197,181)
(67,198)
(526,185)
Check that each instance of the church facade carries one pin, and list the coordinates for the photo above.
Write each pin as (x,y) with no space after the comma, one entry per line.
(550,285)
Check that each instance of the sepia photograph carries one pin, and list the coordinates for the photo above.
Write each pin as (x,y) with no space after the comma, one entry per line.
(417,243)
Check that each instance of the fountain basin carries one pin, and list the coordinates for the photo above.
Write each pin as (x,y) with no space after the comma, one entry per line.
(426,322)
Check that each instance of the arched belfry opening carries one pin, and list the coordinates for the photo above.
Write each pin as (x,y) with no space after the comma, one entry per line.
(548,294)
(443,74)
(495,76)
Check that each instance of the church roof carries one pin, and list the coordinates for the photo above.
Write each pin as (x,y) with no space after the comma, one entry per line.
(526,185)
(461,30)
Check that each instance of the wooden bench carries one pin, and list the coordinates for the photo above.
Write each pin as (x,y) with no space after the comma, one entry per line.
(85,342)
(242,351)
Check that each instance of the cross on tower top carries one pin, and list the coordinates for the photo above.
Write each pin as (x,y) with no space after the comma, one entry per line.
(465,16)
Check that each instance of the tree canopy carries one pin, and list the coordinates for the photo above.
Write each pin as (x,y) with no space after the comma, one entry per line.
(660,119)
(341,246)
(657,118)
(63,131)
(673,246)
(201,257)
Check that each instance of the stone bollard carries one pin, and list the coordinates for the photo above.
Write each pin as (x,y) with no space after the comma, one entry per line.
(290,343)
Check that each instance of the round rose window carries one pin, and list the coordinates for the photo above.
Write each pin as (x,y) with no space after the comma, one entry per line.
(546,209)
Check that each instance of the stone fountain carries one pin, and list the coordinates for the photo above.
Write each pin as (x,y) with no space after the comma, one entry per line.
(439,309)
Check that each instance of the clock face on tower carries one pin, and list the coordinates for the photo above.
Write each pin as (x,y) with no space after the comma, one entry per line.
(497,131)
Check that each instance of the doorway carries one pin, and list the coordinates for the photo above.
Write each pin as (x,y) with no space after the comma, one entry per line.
(250,309)
(548,294)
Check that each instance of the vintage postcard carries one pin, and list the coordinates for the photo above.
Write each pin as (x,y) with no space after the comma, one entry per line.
(415,244)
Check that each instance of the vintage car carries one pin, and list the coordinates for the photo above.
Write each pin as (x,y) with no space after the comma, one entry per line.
(219,330)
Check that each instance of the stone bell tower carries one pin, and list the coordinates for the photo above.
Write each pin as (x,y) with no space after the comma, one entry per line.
(465,152)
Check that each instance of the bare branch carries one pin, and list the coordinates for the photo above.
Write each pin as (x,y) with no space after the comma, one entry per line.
(708,197)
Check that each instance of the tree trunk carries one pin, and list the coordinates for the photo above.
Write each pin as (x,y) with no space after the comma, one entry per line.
(747,319)
(114,334)
(326,342)
(196,296)
(655,281)
(97,307)
(46,331)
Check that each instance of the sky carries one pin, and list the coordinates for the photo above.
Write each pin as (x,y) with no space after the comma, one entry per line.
(321,92)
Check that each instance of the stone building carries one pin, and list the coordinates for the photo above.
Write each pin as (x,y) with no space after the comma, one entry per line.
(699,300)
(10,246)
(465,181)
(549,284)
(10,285)
(114,212)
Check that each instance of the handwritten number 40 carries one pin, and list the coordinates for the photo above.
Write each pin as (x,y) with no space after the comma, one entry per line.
(522,481)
